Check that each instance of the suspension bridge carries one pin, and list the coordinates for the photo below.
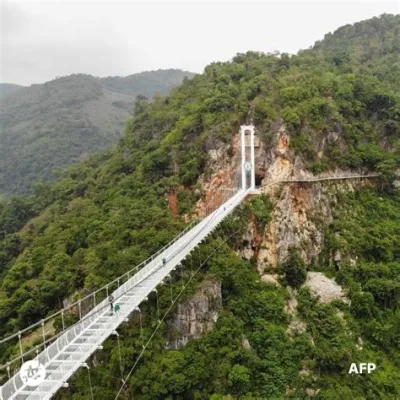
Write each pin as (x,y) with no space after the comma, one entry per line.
(66,352)
(61,355)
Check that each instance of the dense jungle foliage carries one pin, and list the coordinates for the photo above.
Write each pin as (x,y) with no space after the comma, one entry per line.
(50,126)
(219,366)
(109,212)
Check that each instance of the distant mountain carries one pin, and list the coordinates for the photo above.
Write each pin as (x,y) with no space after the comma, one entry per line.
(6,88)
(55,124)
(146,83)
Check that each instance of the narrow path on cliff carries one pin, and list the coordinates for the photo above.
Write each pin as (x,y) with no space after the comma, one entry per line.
(318,179)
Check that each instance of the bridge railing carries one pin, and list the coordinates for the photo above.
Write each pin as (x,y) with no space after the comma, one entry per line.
(27,348)
(36,338)
(175,253)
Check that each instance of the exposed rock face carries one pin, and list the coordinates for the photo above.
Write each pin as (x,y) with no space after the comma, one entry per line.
(324,288)
(246,344)
(298,206)
(301,209)
(195,316)
(271,279)
(173,203)
(251,242)
(296,326)
(312,392)
(223,172)
(294,222)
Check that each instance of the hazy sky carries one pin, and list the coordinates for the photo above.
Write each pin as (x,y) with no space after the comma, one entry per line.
(44,39)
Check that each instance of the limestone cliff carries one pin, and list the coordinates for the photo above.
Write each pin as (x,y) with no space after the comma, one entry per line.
(195,316)
(301,209)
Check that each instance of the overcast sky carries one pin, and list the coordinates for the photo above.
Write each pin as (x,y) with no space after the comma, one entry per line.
(44,39)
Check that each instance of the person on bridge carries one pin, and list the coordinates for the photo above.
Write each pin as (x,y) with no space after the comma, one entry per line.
(164,261)
(111,301)
(116,308)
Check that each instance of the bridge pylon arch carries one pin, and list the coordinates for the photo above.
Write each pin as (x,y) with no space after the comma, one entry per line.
(248,162)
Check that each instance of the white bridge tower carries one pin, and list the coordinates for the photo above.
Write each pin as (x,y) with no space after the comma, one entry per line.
(248,165)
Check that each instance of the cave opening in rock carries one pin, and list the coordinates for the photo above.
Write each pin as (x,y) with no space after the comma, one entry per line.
(258,180)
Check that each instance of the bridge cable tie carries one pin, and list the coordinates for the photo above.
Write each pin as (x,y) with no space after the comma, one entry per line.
(158,308)
(170,285)
(90,383)
(120,360)
(141,328)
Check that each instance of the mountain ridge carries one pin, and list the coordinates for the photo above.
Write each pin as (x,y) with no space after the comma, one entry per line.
(49,126)
(7,88)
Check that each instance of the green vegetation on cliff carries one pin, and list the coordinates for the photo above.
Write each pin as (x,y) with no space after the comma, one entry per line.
(274,362)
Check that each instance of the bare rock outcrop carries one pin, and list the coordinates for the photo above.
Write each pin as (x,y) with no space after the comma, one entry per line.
(301,209)
(296,325)
(271,279)
(324,288)
(196,315)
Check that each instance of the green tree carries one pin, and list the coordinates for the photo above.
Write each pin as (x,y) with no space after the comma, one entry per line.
(294,269)
(239,379)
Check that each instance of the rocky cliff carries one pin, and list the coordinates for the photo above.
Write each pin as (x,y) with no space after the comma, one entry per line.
(301,208)
(195,316)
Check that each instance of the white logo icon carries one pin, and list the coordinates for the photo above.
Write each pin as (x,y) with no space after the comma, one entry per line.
(32,373)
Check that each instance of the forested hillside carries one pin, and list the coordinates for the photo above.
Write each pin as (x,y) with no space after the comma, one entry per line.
(339,104)
(146,83)
(55,124)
